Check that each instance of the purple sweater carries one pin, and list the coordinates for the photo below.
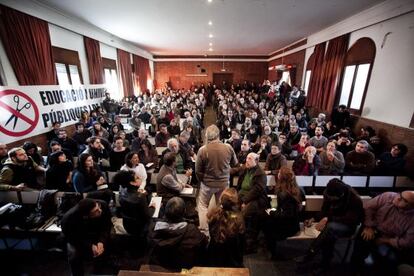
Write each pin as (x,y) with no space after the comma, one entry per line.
(389,220)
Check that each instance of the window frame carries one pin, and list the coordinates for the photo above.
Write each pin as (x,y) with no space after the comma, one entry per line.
(67,57)
(357,61)
(110,64)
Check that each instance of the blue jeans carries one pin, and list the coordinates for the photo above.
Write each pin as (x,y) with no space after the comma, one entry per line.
(325,242)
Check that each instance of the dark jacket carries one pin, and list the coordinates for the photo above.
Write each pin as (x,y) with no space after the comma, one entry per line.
(348,211)
(13,174)
(389,165)
(284,222)
(256,197)
(57,174)
(82,232)
(275,162)
(176,245)
(134,211)
(84,182)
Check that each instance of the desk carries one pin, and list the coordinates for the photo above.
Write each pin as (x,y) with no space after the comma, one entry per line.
(197,270)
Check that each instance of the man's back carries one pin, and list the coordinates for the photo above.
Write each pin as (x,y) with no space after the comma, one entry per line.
(176,245)
(213,164)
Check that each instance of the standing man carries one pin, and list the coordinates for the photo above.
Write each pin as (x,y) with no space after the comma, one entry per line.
(212,168)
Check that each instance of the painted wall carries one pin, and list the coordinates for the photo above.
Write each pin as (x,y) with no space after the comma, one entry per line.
(178,71)
(389,96)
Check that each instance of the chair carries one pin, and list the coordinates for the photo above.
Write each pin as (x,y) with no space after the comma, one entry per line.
(404,182)
(322,180)
(304,180)
(349,243)
(381,181)
(355,181)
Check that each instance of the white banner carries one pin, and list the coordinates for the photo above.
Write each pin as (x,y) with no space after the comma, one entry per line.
(27,111)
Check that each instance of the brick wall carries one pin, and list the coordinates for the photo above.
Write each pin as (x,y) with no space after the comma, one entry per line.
(40,140)
(391,134)
(177,72)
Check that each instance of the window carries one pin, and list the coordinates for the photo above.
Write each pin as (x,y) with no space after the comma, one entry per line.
(309,67)
(355,78)
(68,67)
(111,78)
(307,79)
(286,78)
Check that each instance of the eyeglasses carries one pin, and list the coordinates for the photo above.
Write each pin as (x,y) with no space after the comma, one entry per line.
(404,199)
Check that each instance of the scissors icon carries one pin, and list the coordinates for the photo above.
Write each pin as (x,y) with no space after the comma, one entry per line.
(16,99)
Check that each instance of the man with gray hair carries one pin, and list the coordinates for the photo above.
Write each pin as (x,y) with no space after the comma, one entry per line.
(252,194)
(182,159)
(212,168)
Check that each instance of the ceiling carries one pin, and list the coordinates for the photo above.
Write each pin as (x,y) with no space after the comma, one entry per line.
(239,27)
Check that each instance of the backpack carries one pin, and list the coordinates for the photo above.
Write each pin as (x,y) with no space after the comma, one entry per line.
(45,209)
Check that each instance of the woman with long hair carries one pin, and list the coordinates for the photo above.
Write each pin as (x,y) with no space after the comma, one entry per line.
(148,154)
(118,154)
(226,226)
(132,163)
(86,119)
(283,219)
(87,177)
(114,131)
(153,129)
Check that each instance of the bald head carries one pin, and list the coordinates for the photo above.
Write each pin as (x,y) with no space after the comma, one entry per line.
(251,160)
(405,200)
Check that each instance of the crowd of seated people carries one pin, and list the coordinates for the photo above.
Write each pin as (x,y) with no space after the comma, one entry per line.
(261,123)
(262,120)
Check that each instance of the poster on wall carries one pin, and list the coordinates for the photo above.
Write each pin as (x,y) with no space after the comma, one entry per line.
(26,111)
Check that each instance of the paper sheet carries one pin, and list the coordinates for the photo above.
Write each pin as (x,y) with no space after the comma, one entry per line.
(187,191)
(157,201)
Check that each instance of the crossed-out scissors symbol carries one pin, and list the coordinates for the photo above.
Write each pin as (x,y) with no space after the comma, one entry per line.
(16,99)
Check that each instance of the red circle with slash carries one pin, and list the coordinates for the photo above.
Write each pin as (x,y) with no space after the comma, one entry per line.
(19,115)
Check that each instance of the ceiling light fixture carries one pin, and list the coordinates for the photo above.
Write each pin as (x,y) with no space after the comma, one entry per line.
(209,1)
(210,23)
(210,44)
(210,35)
(282,66)
(210,49)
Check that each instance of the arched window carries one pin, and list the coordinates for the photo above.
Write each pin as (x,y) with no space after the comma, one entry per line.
(308,73)
(355,78)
